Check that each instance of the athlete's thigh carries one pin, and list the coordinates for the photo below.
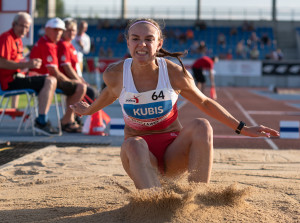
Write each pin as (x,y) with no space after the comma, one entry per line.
(177,154)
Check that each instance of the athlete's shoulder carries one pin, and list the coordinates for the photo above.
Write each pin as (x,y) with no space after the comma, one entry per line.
(174,68)
(113,73)
(115,67)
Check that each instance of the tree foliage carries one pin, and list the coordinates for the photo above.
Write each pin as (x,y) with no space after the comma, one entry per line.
(41,8)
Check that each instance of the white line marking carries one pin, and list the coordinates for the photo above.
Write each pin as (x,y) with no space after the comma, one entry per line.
(251,120)
(233,137)
(182,104)
(273,113)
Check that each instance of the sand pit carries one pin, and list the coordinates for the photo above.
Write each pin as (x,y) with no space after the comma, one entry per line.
(76,184)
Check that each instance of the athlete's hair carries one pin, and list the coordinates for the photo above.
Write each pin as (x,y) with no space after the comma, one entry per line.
(162,52)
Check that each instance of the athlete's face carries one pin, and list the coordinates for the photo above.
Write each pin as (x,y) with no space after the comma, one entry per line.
(143,42)
(21,28)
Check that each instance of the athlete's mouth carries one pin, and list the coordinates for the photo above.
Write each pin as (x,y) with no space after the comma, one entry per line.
(141,52)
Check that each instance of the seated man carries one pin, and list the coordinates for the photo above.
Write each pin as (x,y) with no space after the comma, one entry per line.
(46,49)
(11,78)
(67,57)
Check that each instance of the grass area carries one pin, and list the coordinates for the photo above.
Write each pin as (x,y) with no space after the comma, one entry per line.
(23,101)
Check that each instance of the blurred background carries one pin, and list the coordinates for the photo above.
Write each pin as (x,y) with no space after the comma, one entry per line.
(256,41)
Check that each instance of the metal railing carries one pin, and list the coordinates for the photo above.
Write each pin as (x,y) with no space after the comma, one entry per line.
(185,13)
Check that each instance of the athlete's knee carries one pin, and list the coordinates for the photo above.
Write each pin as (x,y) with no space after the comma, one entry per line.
(202,129)
(134,146)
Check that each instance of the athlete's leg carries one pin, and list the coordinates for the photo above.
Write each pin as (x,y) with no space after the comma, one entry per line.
(139,163)
(192,150)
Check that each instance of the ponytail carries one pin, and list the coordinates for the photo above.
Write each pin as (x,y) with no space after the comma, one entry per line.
(163,53)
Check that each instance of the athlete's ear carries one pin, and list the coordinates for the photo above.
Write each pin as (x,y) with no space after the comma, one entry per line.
(160,44)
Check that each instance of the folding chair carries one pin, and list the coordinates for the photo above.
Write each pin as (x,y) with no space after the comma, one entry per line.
(63,105)
(31,95)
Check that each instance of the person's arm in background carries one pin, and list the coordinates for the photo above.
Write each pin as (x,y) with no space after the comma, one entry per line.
(54,71)
(212,77)
(72,74)
(12,65)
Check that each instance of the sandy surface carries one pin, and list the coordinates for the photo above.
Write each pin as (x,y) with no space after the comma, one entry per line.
(75,184)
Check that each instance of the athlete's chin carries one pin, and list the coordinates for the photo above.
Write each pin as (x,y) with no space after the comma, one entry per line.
(144,59)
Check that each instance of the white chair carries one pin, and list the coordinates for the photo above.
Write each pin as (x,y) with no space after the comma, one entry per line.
(63,104)
(31,111)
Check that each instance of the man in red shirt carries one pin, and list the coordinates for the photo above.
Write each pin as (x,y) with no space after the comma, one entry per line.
(11,78)
(67,57)
(46,49)
(202,64)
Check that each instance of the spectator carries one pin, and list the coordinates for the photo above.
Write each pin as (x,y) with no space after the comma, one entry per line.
(202,48)
(254,39)
(102,53)
(199,67)
(190,34)
(229,55)
(241,51)
(254,53)
(110,52)
(195,47)
(11,60)
(120,38)
(222,39)
(67,57)
(277,54)
(265,39)
(46,49)
(82,42)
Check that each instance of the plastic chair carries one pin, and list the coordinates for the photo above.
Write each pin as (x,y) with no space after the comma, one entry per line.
(31,95)
(63,104)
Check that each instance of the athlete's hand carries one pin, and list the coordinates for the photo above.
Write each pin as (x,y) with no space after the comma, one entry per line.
(80,108)
(259,131)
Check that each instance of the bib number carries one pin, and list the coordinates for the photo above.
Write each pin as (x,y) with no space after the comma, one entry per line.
(155,96)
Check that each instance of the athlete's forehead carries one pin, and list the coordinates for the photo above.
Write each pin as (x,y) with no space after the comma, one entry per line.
(143,29)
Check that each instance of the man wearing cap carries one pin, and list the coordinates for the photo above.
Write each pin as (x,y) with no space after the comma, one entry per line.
(46,49)
(11,77)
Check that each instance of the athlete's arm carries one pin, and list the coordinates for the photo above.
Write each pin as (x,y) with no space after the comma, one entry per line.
(187,88)
(113,79)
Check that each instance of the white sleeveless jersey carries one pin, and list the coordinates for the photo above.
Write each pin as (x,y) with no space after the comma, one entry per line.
(150,110)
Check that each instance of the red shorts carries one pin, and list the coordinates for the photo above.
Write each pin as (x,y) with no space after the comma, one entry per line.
(158,144)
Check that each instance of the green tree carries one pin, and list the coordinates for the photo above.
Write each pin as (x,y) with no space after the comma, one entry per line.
(41,7)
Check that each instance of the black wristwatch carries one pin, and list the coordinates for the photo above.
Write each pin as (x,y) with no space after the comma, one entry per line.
(239,128)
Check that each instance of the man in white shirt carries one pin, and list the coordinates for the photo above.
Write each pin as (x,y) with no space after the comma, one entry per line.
(82,42)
